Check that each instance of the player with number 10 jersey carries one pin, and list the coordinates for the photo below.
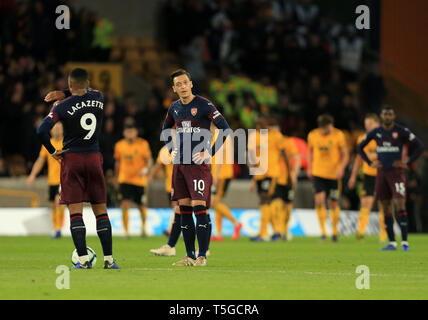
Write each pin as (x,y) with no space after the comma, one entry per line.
(191,178)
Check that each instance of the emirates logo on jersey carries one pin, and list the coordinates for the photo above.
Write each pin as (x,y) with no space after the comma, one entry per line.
(395,135)
(194,111)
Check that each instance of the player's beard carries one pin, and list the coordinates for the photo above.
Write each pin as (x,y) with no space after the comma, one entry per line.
(388,123)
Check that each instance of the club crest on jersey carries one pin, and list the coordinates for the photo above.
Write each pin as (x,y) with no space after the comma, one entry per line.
(194,111)
(395,135)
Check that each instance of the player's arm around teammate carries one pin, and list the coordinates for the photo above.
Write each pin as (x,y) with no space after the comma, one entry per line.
(82,178)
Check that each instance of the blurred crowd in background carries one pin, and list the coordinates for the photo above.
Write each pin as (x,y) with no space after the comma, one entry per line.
(278,58)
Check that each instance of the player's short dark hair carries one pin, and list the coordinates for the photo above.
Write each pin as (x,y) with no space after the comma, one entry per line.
(324,120)
(373,116)
(79,75)
(177,73)
(387,107)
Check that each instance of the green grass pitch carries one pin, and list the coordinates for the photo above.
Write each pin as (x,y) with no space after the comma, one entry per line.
(300,269)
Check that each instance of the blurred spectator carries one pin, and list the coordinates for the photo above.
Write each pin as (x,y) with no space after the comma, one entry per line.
(350,53)
(372,89)
(306,12)
(108,139)
(102,39)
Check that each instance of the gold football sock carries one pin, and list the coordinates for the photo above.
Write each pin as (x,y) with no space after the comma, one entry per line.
(143,214)
(125,220)
(54,219)
(363,220)
(224,210)
(276,207)
(264,221)
(60,217)
(288,210)
(322,217)
(334,216)
(218,223)
(382,230)
(283,218)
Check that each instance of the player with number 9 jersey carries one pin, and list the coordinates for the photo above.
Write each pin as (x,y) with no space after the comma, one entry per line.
(81,116)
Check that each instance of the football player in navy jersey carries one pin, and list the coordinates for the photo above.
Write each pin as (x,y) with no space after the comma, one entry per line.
(390,180)
(192,116)
(82,177)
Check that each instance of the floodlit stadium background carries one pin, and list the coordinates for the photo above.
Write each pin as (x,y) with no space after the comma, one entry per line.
(302,57)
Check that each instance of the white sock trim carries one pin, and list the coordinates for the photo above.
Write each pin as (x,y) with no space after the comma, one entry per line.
(108,258)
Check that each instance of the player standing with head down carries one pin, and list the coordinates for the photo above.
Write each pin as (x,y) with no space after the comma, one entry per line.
(54,170)
(371,121)
(82,178)
(328,157)
(191,180)
(391,180)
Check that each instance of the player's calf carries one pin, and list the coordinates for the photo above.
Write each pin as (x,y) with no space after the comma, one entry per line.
(105,235)
(188,229)
(202,229)
(78,233)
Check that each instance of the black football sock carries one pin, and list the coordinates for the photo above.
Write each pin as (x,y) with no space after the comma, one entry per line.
(202,229)
(78,233)
(210,228)
(175,231)
(188,229)
(403,221)
(104,233)
(389,222)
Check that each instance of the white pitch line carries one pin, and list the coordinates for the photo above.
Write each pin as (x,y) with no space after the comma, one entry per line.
(281,271)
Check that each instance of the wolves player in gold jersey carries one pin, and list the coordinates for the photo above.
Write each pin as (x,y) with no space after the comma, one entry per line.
(133,161)
(328,157)
(266,183)
(222,172)
(54,169)
(371,121)
(286,185)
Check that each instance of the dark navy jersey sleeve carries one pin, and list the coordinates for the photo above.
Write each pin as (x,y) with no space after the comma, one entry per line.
(168,123)
(220,122)
(169,120)
(43,131)
(416,147)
